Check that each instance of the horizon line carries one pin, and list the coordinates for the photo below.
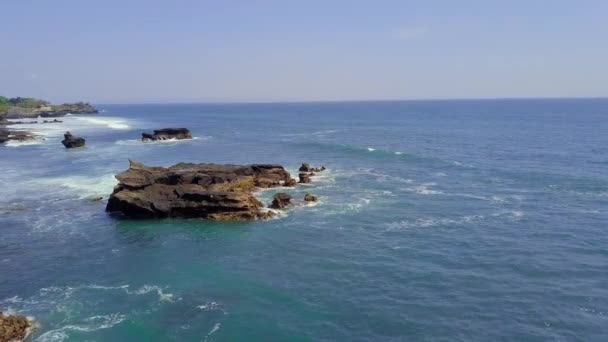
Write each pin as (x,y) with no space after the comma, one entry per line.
(446,99)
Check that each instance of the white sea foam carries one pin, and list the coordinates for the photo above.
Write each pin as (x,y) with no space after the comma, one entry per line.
(87,325)
(423,189)
(398,153)
(371,149)
(114,123)
(138,142)
(16,143)
(215,328)
(162,296)
(84,186)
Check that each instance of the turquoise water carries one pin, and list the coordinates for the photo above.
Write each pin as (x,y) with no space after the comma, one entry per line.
(445,220)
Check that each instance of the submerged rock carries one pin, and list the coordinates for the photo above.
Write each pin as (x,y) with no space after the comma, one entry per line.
(210,191)
(310,198)
(280,200)
(13,327)
(71,141)
(167,133)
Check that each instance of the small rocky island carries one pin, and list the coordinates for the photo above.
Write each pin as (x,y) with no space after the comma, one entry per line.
(71,141)
(210,191)
(167,134)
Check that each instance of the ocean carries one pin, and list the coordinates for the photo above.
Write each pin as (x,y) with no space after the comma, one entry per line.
(472,220)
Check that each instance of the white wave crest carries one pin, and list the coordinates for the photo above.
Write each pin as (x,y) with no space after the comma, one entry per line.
(87,325)
(84,186)
(113,123)
(424,189)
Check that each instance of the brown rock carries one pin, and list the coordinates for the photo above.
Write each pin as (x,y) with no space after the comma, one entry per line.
(71,141)
(310,198)
(13,327)
(212,191)
(304,177)
(280,200)
(290,182)
(305,168)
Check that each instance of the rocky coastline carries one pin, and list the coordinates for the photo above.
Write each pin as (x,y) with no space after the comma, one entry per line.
(29,108)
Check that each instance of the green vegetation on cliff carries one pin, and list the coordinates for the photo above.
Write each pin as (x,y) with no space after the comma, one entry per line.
(4,104)
(24,107)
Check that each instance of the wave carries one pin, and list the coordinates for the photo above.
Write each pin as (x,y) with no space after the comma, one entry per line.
(85,186)
(316,133)
(88,324)
(215,328)
(423,189)
(114,123)
(436,222)
(138,142)
(15,143)
(375,152)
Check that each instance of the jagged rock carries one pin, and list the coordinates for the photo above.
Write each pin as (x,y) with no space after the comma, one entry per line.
(6,135)
(305,168)
(211,191)
(310,198)
(13,327)
(304,177)
(71,141)
(167,133)
(280,200)
(290,183)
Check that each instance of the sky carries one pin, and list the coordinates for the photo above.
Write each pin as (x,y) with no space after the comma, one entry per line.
(142,51)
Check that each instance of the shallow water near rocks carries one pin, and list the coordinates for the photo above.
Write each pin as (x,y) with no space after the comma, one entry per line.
(437,220)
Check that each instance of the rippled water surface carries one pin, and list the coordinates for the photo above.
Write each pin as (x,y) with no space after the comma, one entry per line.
(449,220)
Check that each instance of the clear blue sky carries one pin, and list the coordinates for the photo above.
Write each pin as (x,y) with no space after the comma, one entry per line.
(110,51)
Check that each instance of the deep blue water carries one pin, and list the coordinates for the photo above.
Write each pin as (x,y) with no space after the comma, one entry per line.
(438,220)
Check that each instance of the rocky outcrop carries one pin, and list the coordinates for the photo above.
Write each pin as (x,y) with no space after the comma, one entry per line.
(167,133)
(210,191)
(71,141)
(291,182)
(13,327)
(304,178)
(280,200)
(310,198)
(307,168)
(8,135)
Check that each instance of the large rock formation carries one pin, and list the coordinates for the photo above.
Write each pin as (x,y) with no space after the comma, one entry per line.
(211,191)
(71,141)
(13,327)
(167,133)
